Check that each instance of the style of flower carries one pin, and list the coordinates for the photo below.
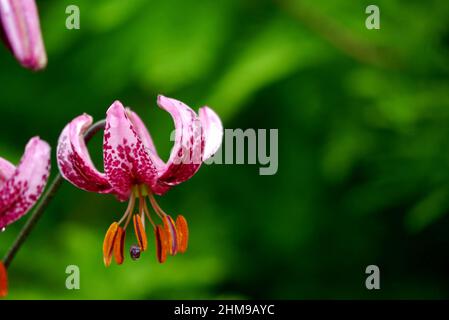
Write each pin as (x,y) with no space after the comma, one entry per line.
(134,171)
(21,187)
(20,30)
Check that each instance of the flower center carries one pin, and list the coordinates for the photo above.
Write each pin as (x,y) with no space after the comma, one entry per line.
(170,237)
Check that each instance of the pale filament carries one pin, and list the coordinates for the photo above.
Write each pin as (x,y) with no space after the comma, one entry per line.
(143,208)
(129,209)
(156,206)
(147,213)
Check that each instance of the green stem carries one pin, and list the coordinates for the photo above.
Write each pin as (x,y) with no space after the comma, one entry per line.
(340,37)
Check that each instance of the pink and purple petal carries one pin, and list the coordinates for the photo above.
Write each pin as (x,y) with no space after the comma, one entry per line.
(213,131)
(22,190)
(187,153)
(126,160)
(145,136)
(6,170)
(20,28)
(74,161)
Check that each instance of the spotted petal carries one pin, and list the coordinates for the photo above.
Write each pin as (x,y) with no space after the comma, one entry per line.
(20,27)
(145,136)
(74,161)
(126,160)
(22,190)
(6,170)
(187,153)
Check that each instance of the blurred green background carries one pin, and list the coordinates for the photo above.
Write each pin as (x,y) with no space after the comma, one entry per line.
(363,119)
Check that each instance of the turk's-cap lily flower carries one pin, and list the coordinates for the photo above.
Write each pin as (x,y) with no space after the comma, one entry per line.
(134,171)
(20,30)
(21,187)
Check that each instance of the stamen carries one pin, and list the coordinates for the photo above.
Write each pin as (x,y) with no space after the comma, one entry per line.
(156,206)
(129,209)
(183,233)
(119,246)
(143,209)
(170,230)
(140,232)
(3,281)
(161,244)
(177,234)
(127,220)
(147,213)
(108,243)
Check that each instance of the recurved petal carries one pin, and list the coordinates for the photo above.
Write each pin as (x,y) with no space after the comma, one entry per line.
(126,160)
(74,161)
(23,189)
(6,170)
(21,30)
(213,131)
(187,153)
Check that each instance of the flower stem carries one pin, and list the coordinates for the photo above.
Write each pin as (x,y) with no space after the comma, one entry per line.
(45,201)
(340,37)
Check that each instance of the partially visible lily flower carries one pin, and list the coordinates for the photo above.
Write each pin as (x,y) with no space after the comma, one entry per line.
(21,187)
(20,30)
(134,171)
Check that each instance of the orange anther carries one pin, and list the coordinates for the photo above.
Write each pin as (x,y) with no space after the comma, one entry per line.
(161,244)
(119,246)
(140,232)
(108,243)
(183,233)
(170,231)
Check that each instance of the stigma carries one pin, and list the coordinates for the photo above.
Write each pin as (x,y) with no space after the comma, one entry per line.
(171,237)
